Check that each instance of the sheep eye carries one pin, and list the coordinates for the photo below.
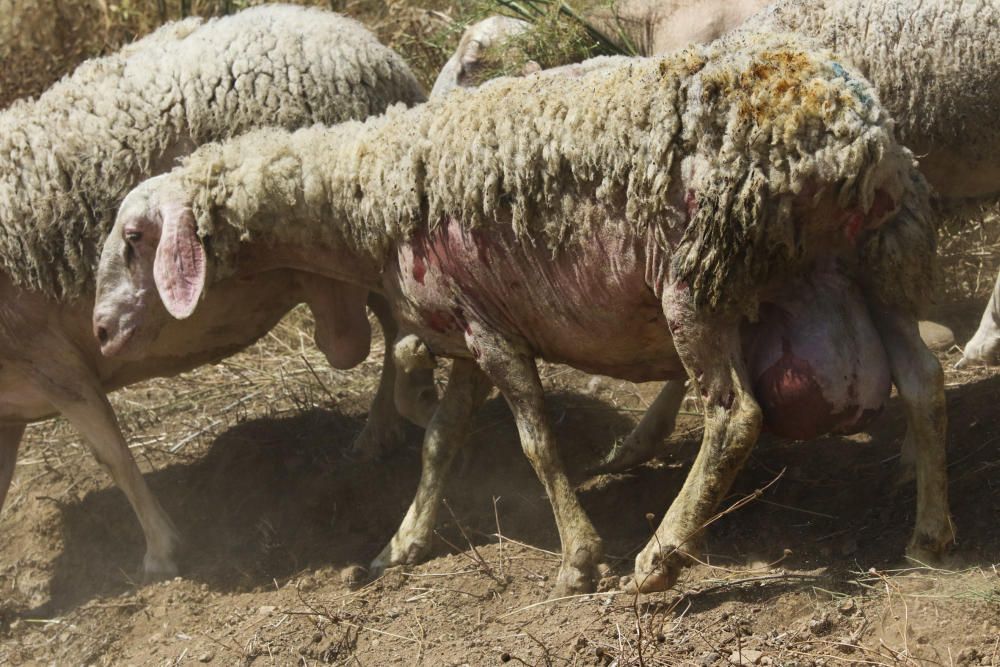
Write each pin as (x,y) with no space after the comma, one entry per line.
(132,236)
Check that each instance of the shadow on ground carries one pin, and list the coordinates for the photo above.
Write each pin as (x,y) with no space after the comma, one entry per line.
(275,497)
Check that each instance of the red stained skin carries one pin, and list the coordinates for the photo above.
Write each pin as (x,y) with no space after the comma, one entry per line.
(526,295)
(419,269)
(858,221)
(816,363)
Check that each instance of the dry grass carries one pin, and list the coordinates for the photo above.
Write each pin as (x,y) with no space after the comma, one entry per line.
(969,254)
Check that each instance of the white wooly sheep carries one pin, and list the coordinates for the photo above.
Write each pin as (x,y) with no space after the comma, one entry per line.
(625,222)
(68,158)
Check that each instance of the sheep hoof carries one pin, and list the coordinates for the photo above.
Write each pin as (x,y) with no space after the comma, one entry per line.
(155,569)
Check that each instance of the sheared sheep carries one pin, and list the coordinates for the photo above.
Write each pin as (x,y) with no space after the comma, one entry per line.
(627,222)
(68,158)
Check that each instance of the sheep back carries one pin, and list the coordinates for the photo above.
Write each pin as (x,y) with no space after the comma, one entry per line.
(550,157)
(68,158)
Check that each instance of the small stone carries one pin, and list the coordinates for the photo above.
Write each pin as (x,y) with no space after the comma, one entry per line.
(746,657)
(208,656)
(846,607)
(266,609)
(158,611)
(708,659)
(936,336)
(820,626)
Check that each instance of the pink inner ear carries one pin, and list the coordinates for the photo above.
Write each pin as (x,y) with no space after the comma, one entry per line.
(179,267)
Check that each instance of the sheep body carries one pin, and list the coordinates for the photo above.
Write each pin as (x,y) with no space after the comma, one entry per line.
(625,221)
(472,156)
(68,158)
(72,154)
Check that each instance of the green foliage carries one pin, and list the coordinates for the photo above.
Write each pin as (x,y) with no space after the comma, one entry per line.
(559,34)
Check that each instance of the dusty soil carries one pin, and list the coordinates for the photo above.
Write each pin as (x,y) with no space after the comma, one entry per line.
(249,458)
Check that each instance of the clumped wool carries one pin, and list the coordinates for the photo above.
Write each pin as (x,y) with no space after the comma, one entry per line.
(936,64)
(753,131)
(68,158)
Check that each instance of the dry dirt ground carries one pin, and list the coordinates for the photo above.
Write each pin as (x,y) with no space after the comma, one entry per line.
(248,456)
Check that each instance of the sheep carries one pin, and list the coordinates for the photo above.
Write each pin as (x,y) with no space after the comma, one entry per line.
(652,28)
(626,222)
(68,158)
(936,67)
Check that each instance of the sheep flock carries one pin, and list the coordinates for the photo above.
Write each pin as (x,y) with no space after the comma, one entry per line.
(745,204)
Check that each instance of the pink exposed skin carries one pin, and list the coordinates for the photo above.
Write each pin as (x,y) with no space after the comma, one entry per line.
(815,359)
(458,276)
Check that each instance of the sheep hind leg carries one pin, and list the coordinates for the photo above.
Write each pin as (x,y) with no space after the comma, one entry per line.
(448,430)
(647,438)
(10,441)
(919,380)
(712,355)
(384,430)
(514,373)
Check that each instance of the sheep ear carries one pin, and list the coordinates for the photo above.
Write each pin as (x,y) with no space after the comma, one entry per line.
(179,267)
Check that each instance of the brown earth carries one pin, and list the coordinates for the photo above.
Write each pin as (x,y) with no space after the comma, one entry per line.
(275,516)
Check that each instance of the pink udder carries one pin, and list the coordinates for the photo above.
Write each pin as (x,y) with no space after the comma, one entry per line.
(815,360)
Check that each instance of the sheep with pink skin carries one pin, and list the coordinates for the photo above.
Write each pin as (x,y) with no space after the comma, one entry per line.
(69,157)
(720,216)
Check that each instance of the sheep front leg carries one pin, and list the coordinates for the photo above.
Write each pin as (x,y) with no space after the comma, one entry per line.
(645,440)
(448,429)
(712,355)
(919,380)
(514,373)
(10,440)
(72,389)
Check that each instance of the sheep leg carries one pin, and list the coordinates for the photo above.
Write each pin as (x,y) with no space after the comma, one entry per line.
(984,346)
(10,440)
(415,394)
(646,439)
(73,390)
(448,430)
(514,373)
(384,429)
(919,380)
(712,355)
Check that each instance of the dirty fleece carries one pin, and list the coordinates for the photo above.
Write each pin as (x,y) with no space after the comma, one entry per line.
(68,158)
(751,131)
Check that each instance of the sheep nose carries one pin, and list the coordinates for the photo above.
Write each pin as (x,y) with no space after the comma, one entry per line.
(101,333)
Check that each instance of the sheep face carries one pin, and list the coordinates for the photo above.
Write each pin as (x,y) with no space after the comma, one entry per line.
(152,267)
